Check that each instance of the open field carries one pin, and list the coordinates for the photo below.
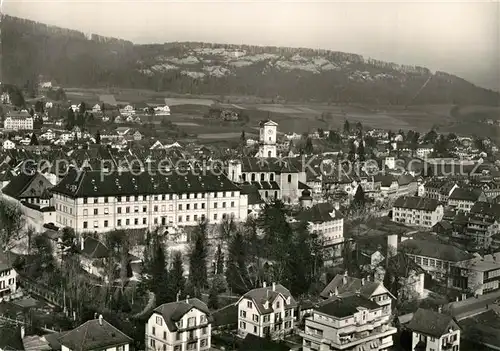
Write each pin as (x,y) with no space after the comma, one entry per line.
(188,114)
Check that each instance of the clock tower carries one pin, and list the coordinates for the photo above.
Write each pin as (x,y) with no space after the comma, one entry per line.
(267,145)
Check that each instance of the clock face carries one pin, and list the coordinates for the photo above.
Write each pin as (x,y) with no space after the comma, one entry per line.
(270,131)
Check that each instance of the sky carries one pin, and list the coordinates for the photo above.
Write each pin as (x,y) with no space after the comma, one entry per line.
(459,37)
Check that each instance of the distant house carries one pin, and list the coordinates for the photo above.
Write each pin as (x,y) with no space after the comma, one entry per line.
(423,151)
(49,104)
(127,110)
(129,119)
(138,120)
(326,221)
(8,145)
(122,131)
(8,277)
(48,135)
(5,98)
(27,188)
(15,120)
(105,118)
(432,331)
(77,132)
(93,254)
(96,108)
(463,199)
(420,211)
(118,119)
(162,110)
(137,135)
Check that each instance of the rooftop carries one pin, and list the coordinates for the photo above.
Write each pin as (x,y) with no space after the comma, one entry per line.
(431,323)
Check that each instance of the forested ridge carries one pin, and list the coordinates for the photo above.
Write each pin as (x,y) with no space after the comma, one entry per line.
(35,51)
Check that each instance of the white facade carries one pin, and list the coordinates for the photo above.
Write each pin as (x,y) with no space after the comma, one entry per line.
(18,123)
(105,213)
(422,218)
(276,321)
(8,279)
(8,145)
(193,333)
(267,138)
(162,111)
(449,341)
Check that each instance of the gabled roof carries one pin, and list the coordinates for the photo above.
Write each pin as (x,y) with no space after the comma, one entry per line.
(320,213)
(27,185)
(416,203)
(486,209)
(173,312)
(465,194)
(346,285)
(94,249)
(92,336)
(260,295)
(431,323)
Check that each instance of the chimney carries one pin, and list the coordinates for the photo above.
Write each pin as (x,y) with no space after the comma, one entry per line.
(464,297)
(264,285)
(187,299)
(336,293)
(100,319)
(344,278)
(178,295)
(362,281)
(96,316)
(82,243)
(23,331)
(457,299)
(440,309)
(274,286)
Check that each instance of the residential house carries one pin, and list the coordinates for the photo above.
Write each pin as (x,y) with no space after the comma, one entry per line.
(423,151)
(266,312)
(77,132)
(48,135)
(162,110)
(483,223)
(27,188)
(463,199)
(434,331)
(407,185)
(351,322)
(129,119)
(127,110)
(93,255)
(5,98)
(439,189)
(179,326)
(95,334)
(8,277)
(96,108)
(419,211)
(479,277)
(137,135)
(8,144)
(15,120)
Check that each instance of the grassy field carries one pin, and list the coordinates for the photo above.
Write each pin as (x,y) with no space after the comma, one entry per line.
(188,114)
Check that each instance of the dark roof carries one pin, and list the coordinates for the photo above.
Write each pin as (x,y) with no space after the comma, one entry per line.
(91,336)
(345,306)
(269,164)
(4,262)
(320,213)
(172,312)
(435,249)
(465,194)
(349,286)
(406,179)
(261,295)
(27,185)
(96,183)
(227,315)
(431,323)
(93,248)
(416,203)
(486,209)
(401,265)
(252,191)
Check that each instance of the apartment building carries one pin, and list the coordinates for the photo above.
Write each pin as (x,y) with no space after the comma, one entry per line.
(8,277)
(464,199)
(418,211)
(483,223)
(479,277)
(15,120)
(179,326)
(434,331)
(98,202)
(266,312)
(439,189)
(95,334)
(351,322)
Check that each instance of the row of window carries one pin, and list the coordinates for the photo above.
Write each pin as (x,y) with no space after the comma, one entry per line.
(253,177)
(266,330)
(430,262)
(163,197)
(189,346)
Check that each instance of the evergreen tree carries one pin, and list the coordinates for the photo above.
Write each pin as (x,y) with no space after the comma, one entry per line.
(159,276)
(347,127)
(103,108)
(236,271)
(219,260)
(352,152)
(390,135)
(243,137)
(32,112)
(177,281)
(39,107)
(98,137)
(34,140)
(359,198)
(308,148)
(213,299)
(361,151)
(82,108)
(198,259)
(359,127)
(70,121)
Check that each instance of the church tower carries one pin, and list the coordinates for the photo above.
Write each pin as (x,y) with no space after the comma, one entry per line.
(267,140)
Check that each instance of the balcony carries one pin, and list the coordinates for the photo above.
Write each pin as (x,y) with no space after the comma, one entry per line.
(447,345)
(192,338)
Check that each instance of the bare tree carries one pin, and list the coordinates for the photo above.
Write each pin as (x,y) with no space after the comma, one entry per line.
(12,223)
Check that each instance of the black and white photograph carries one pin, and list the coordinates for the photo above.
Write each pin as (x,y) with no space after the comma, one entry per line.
(254,175)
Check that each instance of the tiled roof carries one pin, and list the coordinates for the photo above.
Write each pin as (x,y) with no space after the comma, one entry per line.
(261,295)
(95,183)
(172,312)
(270,164)
(486,209)
(406,179)
(345,306)
(350,286)
(401,265)
(93,336)
(416,203)
(320,213)
(431,323)
(27,185)
(93,248)
(252,191)
(435,249)
(464,194)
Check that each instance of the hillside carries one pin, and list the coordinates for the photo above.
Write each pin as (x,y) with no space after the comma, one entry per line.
(70,58)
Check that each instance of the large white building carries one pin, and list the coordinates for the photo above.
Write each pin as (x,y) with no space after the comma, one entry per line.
(179,326)
(92,201)
(266,312)
(418,211)
(18,121)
